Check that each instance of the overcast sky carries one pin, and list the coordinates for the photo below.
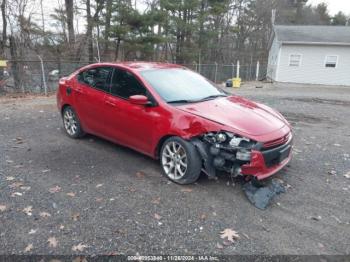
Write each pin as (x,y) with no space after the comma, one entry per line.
(334,5)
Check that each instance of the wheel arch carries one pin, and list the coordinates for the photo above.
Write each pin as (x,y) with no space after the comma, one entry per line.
(63,107)
(160,144)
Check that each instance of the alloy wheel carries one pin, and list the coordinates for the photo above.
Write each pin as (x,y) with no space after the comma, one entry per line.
(70,122)
(174,160)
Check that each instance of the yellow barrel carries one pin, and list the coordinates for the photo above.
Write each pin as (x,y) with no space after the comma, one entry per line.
(236,82)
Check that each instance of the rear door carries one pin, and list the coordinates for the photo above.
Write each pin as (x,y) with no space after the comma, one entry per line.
(92,86)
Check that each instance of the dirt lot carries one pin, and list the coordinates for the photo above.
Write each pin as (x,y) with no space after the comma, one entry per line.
(113,200)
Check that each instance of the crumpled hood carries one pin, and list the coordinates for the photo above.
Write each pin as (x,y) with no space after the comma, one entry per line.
(238,113)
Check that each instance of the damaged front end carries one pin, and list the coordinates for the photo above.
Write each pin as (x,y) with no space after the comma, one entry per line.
(224,151)
(238,156)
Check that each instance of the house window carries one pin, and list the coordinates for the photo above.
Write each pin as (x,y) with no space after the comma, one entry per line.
(294,60)
(331,61)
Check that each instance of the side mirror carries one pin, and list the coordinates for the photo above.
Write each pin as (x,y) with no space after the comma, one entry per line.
(139,100)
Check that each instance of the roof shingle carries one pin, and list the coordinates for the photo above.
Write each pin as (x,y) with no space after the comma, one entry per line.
(313,34)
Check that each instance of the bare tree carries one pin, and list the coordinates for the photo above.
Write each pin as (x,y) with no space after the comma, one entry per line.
(70,21)
(4,29)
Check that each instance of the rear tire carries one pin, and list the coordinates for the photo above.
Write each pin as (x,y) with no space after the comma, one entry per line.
(180,161)
(71,123)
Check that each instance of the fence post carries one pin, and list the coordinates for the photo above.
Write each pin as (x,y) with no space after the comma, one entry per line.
(43,74)
(195,66)
(216,72)
(98,49)
(233,70)
(257,70)
(238,69)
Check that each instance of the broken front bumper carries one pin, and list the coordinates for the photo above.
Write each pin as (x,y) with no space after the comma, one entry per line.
(265,163)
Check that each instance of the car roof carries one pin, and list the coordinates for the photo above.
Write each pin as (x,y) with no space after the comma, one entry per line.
(140,66)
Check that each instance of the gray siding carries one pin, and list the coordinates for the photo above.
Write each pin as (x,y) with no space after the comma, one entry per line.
(312,69)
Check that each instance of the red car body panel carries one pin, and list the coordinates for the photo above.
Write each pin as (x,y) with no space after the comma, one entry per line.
(143,128)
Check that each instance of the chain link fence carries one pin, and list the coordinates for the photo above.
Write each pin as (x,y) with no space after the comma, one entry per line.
(42,77)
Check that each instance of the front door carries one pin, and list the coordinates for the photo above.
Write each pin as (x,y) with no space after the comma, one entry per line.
(131,125)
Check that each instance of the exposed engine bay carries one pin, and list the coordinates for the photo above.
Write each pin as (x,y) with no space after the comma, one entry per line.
(224,151)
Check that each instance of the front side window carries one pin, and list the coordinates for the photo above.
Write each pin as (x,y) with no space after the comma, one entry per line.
(294,60)
(97,77)
(331,61)
(177,84)
(124,84)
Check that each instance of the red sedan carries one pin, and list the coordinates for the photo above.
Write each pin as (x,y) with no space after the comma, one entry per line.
(173,114)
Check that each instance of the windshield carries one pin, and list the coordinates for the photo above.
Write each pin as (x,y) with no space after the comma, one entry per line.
(181,85)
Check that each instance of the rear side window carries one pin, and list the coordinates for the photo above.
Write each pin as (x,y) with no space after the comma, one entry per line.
(124,84)
(98,77)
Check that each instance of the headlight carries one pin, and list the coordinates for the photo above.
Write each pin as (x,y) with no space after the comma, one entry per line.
(220,137)
(236,141)
(243,155)
(228,140)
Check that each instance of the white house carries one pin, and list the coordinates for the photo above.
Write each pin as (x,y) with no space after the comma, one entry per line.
(310,55)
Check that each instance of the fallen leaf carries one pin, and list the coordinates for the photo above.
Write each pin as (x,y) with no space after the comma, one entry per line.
(16,185)
(316,218)
(140,174)
(156,200)
(203,216)
(45,214)
(55,189)
(45,170)
(80,247)
(28,210)
(186,189)
(131,189)
(26,188)
(61,227)
(245,235)
(99,199)
(10,178)
(32,231)
(28,248)
(19,140)
(52,242)
(332,172)
(16,194)
(2,208)
(156,216)
(320,245)
(99,185)
(76,216)
(71,194)
(347,175)
(230,234)
(219,246)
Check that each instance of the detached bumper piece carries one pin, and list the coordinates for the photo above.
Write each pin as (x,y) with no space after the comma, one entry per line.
(265,163)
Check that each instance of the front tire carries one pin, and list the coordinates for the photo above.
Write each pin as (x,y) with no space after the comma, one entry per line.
(71,123)
(180,161)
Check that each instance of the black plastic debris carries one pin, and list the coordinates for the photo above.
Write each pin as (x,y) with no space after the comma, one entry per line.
(261,196)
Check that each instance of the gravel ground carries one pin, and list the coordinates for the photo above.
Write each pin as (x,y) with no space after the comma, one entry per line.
(57,193)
